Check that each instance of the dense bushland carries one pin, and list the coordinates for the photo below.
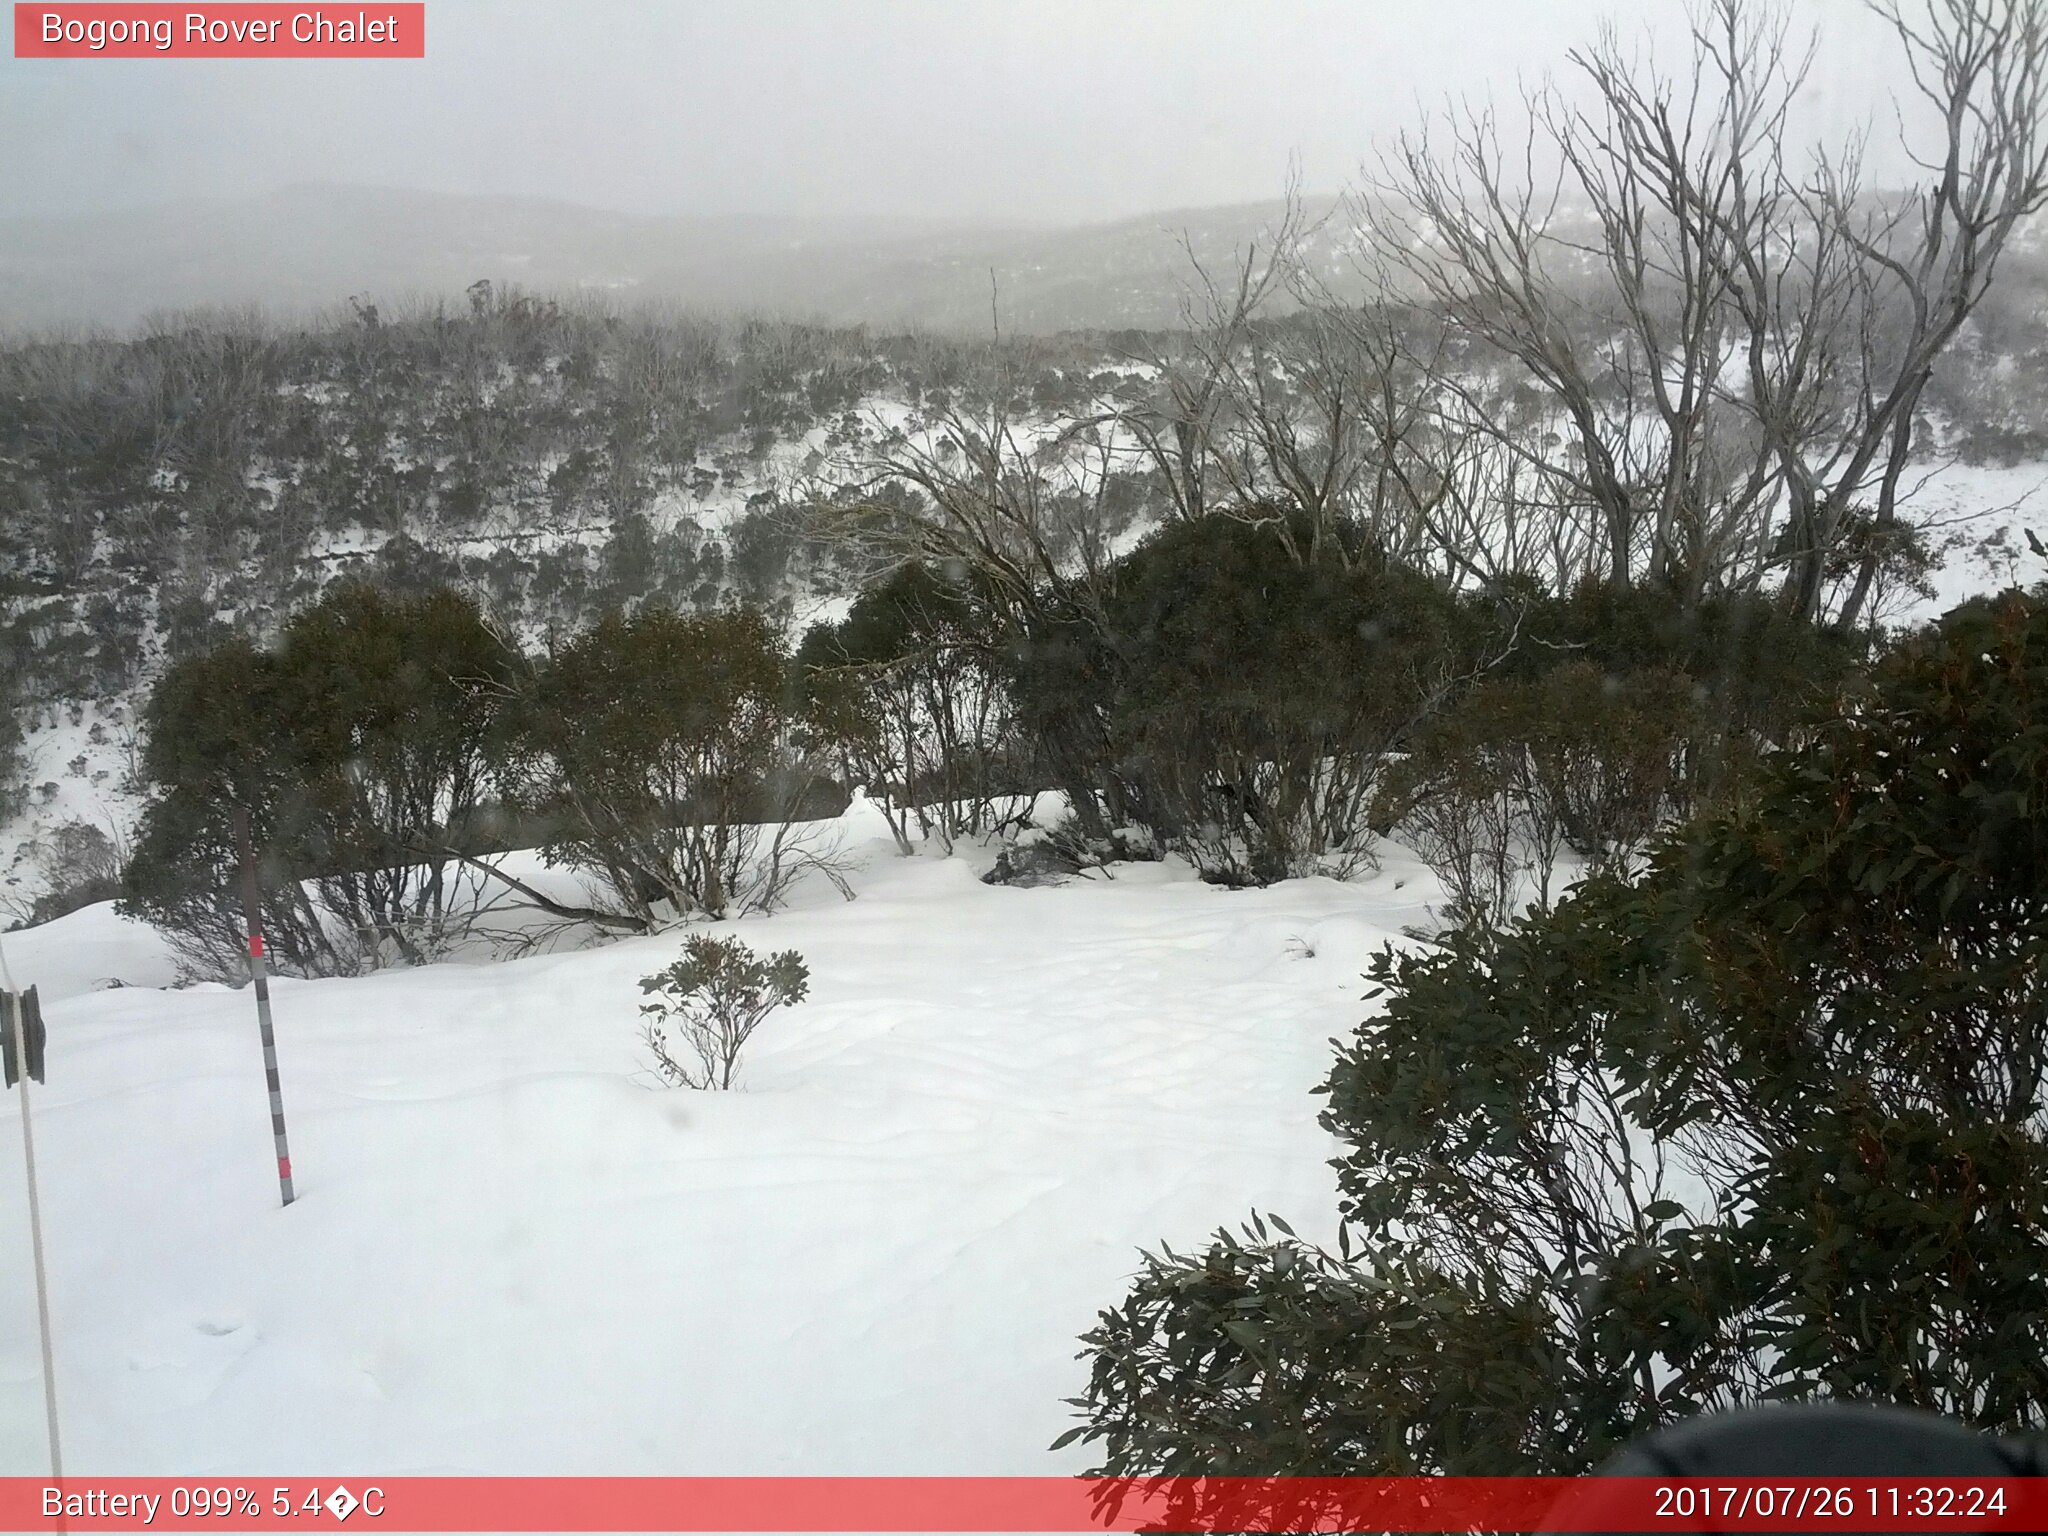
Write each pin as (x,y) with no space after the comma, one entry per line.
(1762,1118)
(1228,690)
(390,746)
(1263,705)
(214,473)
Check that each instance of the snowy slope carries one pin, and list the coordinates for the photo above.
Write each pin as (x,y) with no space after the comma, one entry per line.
(512,1253)
(1979,515)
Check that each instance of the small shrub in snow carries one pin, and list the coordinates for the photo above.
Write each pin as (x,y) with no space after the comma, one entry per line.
(717,994)
(1054,855)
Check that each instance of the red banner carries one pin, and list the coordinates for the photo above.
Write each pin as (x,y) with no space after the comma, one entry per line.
(241,31)
(1006,1504)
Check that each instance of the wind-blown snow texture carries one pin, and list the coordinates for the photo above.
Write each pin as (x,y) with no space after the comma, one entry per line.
(512,1253)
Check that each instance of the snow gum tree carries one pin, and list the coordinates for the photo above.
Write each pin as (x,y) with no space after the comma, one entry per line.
(362,748)
(1262,685)
(653,749)
(1730,336)
(907,694)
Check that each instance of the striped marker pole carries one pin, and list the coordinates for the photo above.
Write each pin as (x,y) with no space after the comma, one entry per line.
(259,972)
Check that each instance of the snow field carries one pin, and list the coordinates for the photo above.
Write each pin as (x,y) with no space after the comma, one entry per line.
(513,1253)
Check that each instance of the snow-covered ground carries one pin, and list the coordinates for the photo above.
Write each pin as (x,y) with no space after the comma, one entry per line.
(1979,516)
(514,1253)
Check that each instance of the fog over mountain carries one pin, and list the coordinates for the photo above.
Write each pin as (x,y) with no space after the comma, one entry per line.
(870,162)
(312,246)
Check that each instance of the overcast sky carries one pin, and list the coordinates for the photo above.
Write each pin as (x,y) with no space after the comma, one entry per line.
(1025,110)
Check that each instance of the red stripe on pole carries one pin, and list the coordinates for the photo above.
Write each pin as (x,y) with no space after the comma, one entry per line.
(1015,1504)
(256,946)
(284,1167)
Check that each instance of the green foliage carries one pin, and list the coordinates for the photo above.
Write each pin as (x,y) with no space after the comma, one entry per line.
(1758,669)
(212,743)
(1267,1357)
(1257,696)
(651,748)
(361,749)
(718,993)
(1762,1120)
(390,709)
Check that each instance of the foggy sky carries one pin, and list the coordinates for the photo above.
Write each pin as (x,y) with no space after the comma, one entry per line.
(1035,111)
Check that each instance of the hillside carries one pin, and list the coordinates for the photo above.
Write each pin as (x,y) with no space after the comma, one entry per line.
(1384,833)
(560,460)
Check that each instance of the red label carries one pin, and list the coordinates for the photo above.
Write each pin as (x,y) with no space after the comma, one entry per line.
(1046,1504)
(284,1167)
(256,946)
(241,31)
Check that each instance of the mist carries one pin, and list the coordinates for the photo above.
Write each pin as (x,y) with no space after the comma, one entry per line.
(792,154)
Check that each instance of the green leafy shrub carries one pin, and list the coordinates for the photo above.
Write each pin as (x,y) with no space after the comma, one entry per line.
(717,995)
(212,743)
(1757,671)
(1258,697)
(362,749)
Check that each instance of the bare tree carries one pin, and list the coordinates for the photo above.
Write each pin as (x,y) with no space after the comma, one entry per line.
(1193,382)
(1284,403)
(1983,66)
(1730,347)
(1017,506)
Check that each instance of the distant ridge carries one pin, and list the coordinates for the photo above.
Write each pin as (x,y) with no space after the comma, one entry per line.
(309,246)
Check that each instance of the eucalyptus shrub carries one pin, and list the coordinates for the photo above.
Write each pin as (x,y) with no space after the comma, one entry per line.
(715,997)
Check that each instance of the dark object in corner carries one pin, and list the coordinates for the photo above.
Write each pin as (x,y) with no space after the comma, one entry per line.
(1808,1440)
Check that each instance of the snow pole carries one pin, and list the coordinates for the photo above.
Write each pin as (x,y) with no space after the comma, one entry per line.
(19,1058)
(259,972)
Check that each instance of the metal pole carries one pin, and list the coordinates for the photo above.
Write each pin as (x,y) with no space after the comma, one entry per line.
(35,1222)
(259,973)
